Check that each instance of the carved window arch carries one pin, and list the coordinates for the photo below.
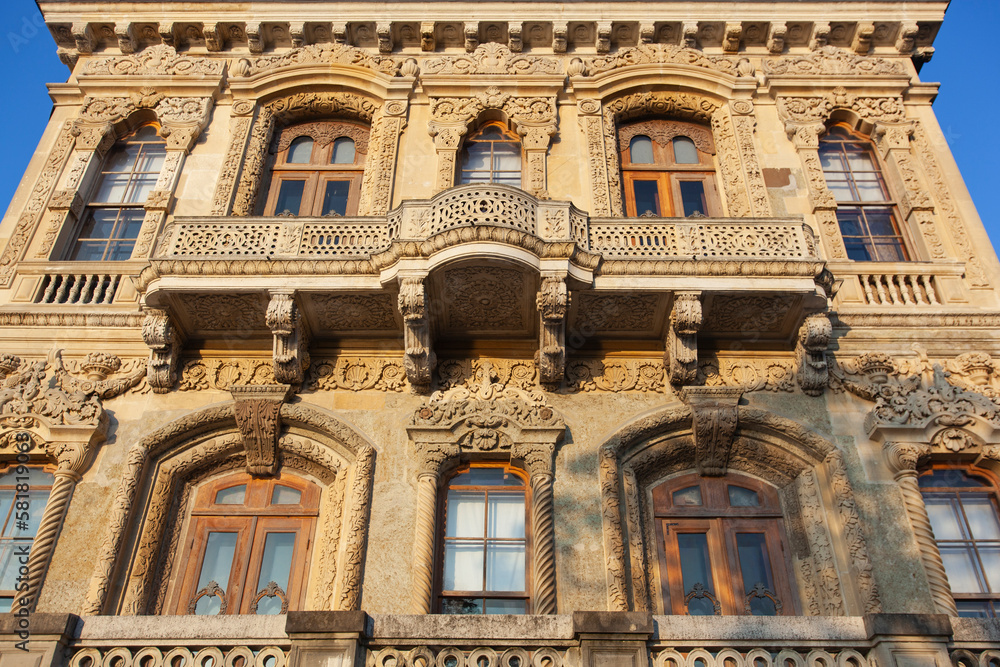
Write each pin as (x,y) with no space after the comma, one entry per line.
(247,546)
(112,221)
(491,154)
(721,547)
(668,169)
(24,493)
(866,210)
(484,551)
(963,505)
(317,170)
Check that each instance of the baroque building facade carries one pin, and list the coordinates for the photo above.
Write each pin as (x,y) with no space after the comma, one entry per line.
(338,333)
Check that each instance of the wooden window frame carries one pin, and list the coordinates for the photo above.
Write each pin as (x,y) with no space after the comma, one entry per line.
(251,521)
(440,593)
(667,172)
(720,523)
(316,173)
(510,137)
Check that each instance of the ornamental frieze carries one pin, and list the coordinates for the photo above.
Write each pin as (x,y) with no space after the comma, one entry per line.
(181,110)
(817,109)
(315,54)
(157,60)
(832,60)
(494,59)
(662,54)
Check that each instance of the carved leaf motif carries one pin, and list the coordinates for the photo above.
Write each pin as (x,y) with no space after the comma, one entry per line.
(158,59)
(660,54)
(832,60)
(337,54)
(616,312)
(346,312)
(485,298)
(491,58)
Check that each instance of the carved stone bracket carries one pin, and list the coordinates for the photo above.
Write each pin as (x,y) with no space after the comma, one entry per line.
(553,303)
(257,417)
(681,356)
(419,359)
(810,352)
(291,339)
(714,421)
(164,342)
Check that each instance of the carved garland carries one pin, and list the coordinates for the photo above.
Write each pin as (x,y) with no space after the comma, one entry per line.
(664,133)
(324,134)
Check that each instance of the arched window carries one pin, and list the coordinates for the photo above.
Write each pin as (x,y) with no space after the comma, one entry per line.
(962,505)
(247,546)
(492,155)
(318,170)
(668,170)
(865,209)
(484,542)
(111,222)
(720,543)
(24,491)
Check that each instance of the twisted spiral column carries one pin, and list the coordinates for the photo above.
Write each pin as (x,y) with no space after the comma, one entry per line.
(48,530)
(423,543)
(543,560)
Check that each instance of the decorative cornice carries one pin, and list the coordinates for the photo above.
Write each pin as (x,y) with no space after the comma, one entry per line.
(157,60)
(328,54)
(663,54)
(829,60)
(491,58)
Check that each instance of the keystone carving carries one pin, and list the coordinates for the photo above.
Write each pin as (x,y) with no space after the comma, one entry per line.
(714,421)
(291,340)
(419,359)
(682,339)
(257,417)
(553,302)
(164,342)
(810,352)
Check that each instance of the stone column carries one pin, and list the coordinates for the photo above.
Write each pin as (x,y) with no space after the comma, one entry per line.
(48,530)
(805,136)
(432,459)
(903,458)
(538,460)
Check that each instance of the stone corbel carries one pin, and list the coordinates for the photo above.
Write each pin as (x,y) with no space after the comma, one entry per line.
(647,32)
(689,34)
(125,33)
(553,303)
(560,34)
(427,40)
(776,38)
(164,342)
(384,31)
(471,36)
(255,41)
(95,137)
(291,340)
(296,31)
(257,413)
(180,137)
(820,35)
(419,359)
(166,30)
(810,352)
(68,201)
(681,356)
(863,38)
(514,40)
(714,413)
(731,38)
(907,37)
(603,43)
(83,35)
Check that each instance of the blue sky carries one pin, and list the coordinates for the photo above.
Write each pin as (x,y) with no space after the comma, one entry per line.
(966,107)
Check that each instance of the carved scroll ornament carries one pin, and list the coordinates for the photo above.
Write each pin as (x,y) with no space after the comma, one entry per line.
(491,58)
(316,54)
(832,60)
(156,60)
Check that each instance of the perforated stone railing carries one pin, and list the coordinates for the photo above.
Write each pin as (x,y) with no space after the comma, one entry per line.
(703,238)
(84,289)
(180,656)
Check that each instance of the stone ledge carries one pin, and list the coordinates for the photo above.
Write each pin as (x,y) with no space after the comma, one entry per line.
(309,622)
(613,623)
(480,629)
(784,629)
(40,624)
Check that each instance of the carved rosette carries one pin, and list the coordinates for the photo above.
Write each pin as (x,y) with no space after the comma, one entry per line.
(810,353)
(256,411)
(553,304)
(164,342)
(419,359)
(682,338)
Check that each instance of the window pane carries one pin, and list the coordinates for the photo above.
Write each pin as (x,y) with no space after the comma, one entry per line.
(269,605)
(948,477)
(841,189)
(466,514)
(112,188)
(36,506)
(277,561)
(151,159)
(973,608)
(89,251)
(119,251)
(880,221)
(285,495)
(506,157)
(504,567)
(142,185)
(300,150)
(335,197)
(491,132)
(461,606)
(982,515)
(960,567)
(685,151)
(463,565)
(486,477)
(860,160)
(991,566)
(6,604)
(687,497)
(869,188)
(831,159)
(641,150)
(122,158)
(343,151)
(289,197)
(888,250)
(129,223)
(477,157)
(695,565)
(754,562)
(219,552)
(146,133)
(506,515)
(943,513)
(100,224)
(6,504)
(506,607)
(508,178)
(693,198)
(9,564)
(208,605)
(647,197)
(741,497)
(234,495)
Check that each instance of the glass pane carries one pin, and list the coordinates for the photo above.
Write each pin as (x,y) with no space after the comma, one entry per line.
(335,197)
(36,506)
(880,221)
(9,564)
(463,565)
(506,607)
(641,150)
(151,159)
(6,604)
(696,567)
(860,160)
(982,515)
(869,188)
(754,562)
(6,504)
(35,477)
(831,159)
(991,566)
(841,189)
(122,158)
(888,250)
(461,606)
(129,223)
(943,513)
(973,608)
(948,477)
(960,568)
(504,567)
(112,188)
(477,157)
(486,477)
(647,197)
(343,151)
(277,561)
(269,605)
(300,150)
(100,224)
(285,495)
(491,132)
(208,605)
(850,221)
(219,552)
(741,497)
(234,495)
(506,157)
(89,251)
(685,151)
(507,178)
(289,197)
(687,497)
(693,198)
(506,515)
(466,514)
(146,133)
(142,185)
(119,251)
